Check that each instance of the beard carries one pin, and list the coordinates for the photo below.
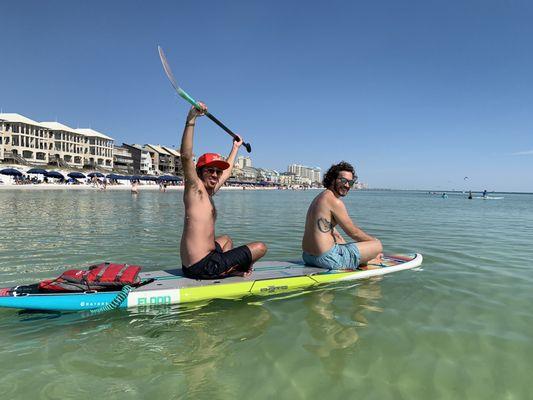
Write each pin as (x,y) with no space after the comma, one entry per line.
(340,190)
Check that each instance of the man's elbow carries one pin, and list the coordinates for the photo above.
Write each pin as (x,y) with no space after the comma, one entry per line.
(186,156)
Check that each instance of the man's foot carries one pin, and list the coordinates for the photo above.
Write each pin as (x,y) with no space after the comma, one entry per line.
(375,263)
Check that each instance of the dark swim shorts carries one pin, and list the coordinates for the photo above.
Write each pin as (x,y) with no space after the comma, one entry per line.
(218,264)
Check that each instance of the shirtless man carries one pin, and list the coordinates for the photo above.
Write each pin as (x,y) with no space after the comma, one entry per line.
(322,245)
(204,256)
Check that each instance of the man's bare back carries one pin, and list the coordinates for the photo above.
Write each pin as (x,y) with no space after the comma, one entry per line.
(319,235)
(322,245)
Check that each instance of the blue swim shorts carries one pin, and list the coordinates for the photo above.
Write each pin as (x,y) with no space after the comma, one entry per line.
(340,256)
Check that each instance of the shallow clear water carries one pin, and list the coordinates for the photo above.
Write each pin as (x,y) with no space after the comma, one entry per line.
(459,328)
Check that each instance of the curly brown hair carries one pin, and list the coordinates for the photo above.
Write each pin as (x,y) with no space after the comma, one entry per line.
(333,172)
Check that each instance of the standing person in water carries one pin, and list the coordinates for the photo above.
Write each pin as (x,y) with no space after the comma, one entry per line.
(203,255)
(322,245)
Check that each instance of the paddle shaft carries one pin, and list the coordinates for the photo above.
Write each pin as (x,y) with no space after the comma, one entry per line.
(188,98)
(228,131)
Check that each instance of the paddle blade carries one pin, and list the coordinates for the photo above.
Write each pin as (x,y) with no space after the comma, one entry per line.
(172,80)
(167,69)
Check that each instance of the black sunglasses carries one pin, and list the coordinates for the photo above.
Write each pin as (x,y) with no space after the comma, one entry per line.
(212,170)
(350,182)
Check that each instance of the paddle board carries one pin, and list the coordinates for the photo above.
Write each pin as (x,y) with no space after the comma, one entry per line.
(171,287)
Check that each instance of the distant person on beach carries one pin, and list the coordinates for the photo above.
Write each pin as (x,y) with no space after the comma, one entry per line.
(444,196)
(485,194)
(135,187)
(203,256)
(322,244)
(470,195)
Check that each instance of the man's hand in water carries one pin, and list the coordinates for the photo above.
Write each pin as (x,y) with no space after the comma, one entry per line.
(237,142)
(194,112)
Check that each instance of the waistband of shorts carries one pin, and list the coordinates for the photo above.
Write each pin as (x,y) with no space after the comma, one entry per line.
(327,252)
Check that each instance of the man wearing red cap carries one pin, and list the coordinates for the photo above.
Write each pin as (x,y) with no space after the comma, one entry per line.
(203,256)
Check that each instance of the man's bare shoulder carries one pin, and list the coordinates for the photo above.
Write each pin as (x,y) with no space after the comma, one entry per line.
(326,198)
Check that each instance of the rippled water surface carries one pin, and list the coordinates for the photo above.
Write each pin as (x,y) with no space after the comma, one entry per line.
(459,328)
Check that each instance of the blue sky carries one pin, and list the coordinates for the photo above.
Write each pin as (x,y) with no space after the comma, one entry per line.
(417,95)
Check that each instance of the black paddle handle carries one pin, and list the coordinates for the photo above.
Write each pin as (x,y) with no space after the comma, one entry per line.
(234,136)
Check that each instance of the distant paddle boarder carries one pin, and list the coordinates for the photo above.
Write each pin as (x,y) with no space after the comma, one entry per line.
(322,245)
(203,256)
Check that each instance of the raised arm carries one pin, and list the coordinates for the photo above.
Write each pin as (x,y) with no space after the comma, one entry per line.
(187,162)
(231,160)
(345,222)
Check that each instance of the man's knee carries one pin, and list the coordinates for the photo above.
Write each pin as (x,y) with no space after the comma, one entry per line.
(378,246)
(258,249)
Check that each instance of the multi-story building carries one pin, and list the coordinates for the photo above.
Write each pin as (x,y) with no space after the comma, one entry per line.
(164,161)
(124,160)
(175,154)
(268,175)
(100,149)
(243,161)
(146,166)
(70,147)
(24,140)
(309,174)
(154,157)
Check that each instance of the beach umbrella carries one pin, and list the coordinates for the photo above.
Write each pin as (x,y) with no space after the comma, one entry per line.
(37,171)
(134,178)
(76,175)
(11,171)
(115,176)
(148,178)
(169,178)
(97,174)
(54,174)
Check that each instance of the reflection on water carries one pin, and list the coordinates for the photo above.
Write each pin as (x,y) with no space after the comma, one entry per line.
(458,329)
(333,334)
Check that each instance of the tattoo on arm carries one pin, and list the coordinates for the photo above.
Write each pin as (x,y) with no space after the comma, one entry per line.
(324,225)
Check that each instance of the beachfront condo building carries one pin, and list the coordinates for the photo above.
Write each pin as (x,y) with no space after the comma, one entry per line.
(176,155)
(124,161)
(24,140)
(142,161)
(69,147)
(164,161)
(100,152)
(243,161)
(309,174)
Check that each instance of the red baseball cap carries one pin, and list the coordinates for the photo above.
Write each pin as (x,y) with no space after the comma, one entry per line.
(212,160)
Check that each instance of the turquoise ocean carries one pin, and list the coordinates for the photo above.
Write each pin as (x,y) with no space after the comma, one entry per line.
(459,328)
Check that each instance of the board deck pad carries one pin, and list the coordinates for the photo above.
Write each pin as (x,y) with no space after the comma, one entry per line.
(171,287)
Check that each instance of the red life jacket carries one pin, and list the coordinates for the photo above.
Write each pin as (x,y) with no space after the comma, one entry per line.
(102,277)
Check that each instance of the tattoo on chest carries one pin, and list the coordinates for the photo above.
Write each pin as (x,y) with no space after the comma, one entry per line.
(324,225)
